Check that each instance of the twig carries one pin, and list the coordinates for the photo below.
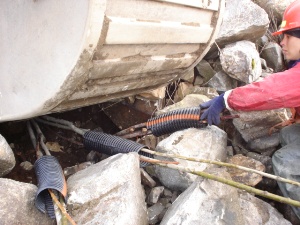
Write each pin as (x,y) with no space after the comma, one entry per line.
(229,117)
(150,160)
(176,83)
(136,134)
(130,129)
(60,218)
(234,184)
(63,210)
(62,202)
(281,179)
(218,46)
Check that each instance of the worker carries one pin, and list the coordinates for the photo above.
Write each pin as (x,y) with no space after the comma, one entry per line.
(278,90)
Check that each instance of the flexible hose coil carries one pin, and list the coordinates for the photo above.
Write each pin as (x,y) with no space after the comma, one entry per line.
(175,120)
(111,145)
(49,176)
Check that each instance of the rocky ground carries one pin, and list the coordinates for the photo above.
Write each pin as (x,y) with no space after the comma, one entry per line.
(111,117)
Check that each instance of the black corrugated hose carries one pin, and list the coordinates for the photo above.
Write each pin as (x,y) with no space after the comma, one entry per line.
(175,120)
(111,145)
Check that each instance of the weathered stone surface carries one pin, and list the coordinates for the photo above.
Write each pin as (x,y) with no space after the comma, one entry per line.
(190,100)
(155,194)
(273,55)
(17,204)
(185,89)
(274,8)
(156,94)
(154,213)
(264,143)
(222,82)
(242,176)
(108,192)
(205,70)
(7,158)
(266,183)
(257,212)
(242,20)
(208,143)
(147,179)
(256,124)
(188,76)
(241,61)
(206,202)
(262,42)
(247,24)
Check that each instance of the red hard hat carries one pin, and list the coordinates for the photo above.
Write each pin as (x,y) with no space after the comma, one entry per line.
(291,18)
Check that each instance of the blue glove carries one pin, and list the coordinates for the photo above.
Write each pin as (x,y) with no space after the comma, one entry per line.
(214,108)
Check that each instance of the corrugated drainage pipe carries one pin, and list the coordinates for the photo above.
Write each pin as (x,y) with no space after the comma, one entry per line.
(49,176)
(111,145)
(175,120)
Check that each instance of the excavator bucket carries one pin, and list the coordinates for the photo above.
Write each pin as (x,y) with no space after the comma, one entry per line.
(61,55)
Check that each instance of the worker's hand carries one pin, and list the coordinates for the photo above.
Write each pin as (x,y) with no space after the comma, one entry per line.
(214,108)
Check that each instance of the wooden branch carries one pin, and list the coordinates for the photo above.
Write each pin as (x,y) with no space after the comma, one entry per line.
(63,210)
(150,160)
(234,184)
(277,178)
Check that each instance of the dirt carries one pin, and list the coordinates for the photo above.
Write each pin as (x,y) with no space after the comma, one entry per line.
(72,150)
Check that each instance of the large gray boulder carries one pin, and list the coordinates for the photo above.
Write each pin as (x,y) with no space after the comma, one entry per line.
(242,20)
(208,143)
(17,204)
(108,193)
(206,202)
(241,61)
(7,158)
(258,212)
(274,8)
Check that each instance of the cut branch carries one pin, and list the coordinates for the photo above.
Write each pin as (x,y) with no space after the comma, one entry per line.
(277,178)
(234,184)
(150,160)
(63,210)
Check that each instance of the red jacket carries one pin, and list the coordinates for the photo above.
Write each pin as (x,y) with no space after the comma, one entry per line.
(279,90)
